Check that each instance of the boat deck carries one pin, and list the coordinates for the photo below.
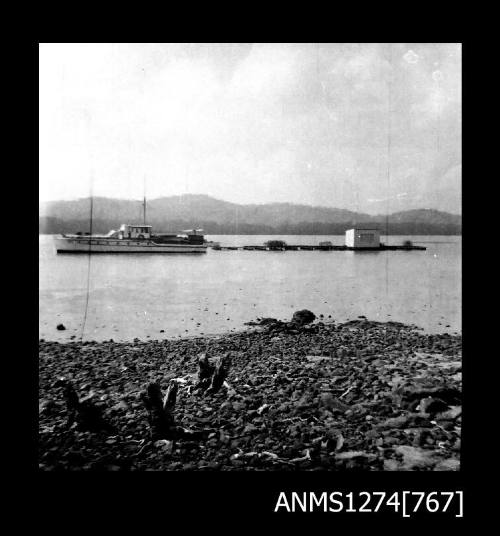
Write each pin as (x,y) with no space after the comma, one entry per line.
(317,248)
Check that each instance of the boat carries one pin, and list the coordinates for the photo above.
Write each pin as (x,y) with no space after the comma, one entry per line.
(133,238)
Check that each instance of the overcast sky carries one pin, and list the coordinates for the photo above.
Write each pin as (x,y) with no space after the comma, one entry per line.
(368,127)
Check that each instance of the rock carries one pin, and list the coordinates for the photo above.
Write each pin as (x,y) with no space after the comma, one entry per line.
(415,458)
(421,437)
(349,455)
(337,379)
(447,394)
(61,327)
(46,407)
(329,401)
(121,406)
(335,441)
(303,317)
(266,321)
(447,425)
(405,421)
(451,464)
(164,445)
(391,465)
(317,358)
(263,408)
(113,468)
(372,434)
(451,414)
(431,405)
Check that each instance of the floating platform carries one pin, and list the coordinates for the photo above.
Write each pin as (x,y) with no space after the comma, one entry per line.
(317,248)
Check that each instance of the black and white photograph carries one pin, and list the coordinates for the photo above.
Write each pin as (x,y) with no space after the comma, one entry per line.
(250,257)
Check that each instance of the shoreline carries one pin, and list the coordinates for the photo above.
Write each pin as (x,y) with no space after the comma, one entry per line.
(355,395)
(240,331)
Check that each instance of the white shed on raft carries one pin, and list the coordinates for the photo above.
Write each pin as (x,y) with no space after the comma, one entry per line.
(362,238)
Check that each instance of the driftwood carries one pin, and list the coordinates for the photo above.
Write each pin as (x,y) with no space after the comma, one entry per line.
(83,411)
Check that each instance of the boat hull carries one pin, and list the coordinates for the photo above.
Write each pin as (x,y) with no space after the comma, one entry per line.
(79,245)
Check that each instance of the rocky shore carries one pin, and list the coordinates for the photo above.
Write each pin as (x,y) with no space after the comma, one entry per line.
(359,395)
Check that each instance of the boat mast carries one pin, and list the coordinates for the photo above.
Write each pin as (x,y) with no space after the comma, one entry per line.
(144,181)
(144,204)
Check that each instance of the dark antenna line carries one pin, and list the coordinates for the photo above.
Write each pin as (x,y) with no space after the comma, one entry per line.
(89,258)
(389,104)
(144,188)
(89,145)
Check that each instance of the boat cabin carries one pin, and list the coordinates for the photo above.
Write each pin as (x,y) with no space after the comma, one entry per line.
(195,236)
(135,231)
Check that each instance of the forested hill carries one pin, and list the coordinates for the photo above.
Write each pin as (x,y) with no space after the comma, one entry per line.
(172,214)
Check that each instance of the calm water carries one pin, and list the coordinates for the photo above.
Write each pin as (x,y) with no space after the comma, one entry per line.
(139,295)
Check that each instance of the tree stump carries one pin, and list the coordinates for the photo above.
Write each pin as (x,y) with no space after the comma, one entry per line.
(212,377)
(221,371)
(160,411)
(161,416)
(205,372)
(84,412)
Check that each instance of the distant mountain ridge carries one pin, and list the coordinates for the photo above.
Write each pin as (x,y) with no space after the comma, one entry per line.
(222,217)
